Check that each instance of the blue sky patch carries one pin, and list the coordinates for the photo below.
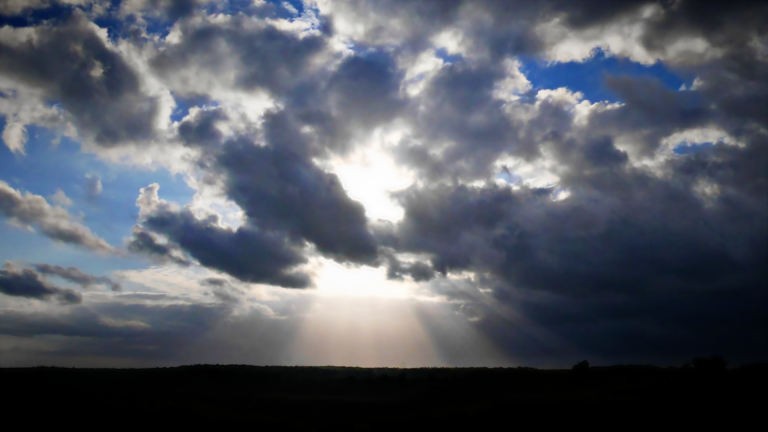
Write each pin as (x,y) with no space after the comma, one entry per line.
(588,77)
(33,17)
(685,149)
(47,167)
(442,54)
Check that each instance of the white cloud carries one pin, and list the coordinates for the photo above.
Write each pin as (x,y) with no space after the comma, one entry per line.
(23,106)
(514,83)
(61,198)
(690,137)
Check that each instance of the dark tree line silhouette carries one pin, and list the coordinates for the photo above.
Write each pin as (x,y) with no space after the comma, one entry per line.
(337,398)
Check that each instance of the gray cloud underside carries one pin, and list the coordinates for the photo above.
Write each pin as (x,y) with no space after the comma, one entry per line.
(158,330)
(247,253)
(28,283)
(54,222)
(145,242)
(75,275)
(118,331)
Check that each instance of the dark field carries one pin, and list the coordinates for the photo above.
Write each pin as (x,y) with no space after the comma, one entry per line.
(333,398)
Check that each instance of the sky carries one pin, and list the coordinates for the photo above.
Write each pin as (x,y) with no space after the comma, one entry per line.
(383,183)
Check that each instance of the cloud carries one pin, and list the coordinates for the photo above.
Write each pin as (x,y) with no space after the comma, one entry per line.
(146,331)
(531,208)
(24,105)
(93,187)
(60,198)
(73,274)
(97,88)
(418,271)
(281,190)
(54,222)
(145,242)
(27,283)
(618,224)
(622,244)
(169,9)
(129,332)
(240,52)
(248,253)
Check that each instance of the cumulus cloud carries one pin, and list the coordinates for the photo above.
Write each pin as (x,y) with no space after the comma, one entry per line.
(54,222)
(94,84)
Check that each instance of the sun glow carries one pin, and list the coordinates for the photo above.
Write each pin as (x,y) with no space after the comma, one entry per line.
(370,174)
(367,332)
(333,279)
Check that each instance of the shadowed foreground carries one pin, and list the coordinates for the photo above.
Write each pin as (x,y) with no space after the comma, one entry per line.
(311,398)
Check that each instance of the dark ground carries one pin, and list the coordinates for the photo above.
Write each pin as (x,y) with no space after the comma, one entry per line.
(334,398)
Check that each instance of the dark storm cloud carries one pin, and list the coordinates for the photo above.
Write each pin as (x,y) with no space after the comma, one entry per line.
(280,190)
(629,263)
(624,257)
(617,230)
(144,242)
(73,274)
(247,253)
(28,283)
(74,67)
